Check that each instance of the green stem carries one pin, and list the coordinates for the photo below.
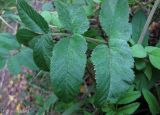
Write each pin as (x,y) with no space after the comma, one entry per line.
(92,40)
(96,41)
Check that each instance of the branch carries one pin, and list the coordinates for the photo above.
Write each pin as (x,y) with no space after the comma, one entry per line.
(140,41)
(1,18)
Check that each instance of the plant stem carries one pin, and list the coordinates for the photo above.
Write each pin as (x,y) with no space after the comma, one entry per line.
(1,18)
(140,41)
(92,40)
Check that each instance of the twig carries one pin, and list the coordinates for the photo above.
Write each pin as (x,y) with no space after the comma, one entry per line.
(4,21)
(140,41)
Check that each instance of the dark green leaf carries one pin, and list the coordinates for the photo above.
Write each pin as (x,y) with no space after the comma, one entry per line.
(72,17)
(138,22)
(42,51)
(113,63)
(24,36)
(68,66)
(140,64)
(31,18)
(152,102)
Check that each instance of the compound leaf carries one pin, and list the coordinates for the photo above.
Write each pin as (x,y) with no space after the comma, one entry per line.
(113,63)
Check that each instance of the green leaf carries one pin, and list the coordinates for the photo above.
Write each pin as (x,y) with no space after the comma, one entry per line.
(138,23)
(72,109)
(98,1)
(141,81)
(149,49)
(8,41)
(152,102)
(42,51)
(31,18)
(4,54)
(148,71)
(113,63)
(47,16)
(51,100)
(24,36)
(72,17)
(128,109)
(114,19)
(154,57)
(68,66)
(20,60)
(113,78)
(55,19)
(129,97)
(131,2)
(138,51)
(140,64)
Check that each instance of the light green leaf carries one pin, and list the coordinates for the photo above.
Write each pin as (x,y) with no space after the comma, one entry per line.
(149,49)
(24,36)
(138,51)
(8,41)
(20,60)
(68,66)
(128,109)
(154,57)
(31,18)
(72,17)
(113,63)
(129,97)
(98,1)
(42,51)
(138,23)
(152,102)
(55,19)
(46,15)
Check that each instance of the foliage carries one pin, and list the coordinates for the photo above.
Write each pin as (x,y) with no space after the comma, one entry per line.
(86,55)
